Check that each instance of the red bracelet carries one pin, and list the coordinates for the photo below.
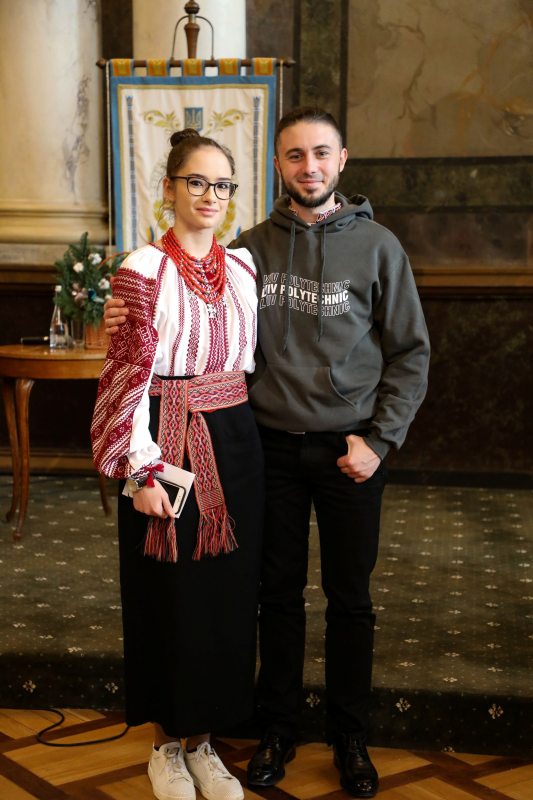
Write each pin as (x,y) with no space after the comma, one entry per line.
(151,470)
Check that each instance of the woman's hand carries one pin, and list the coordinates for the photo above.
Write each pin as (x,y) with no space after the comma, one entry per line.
(153,500)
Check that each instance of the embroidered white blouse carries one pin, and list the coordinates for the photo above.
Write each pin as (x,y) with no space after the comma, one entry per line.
(168,332)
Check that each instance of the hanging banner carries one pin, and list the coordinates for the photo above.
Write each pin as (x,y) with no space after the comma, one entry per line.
(237,111)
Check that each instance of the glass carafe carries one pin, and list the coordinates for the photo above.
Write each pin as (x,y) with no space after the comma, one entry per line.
(58,327)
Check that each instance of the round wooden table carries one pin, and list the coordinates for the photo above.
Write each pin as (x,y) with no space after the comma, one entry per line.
(20,366)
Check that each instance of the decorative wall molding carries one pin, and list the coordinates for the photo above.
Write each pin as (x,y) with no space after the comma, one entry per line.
(35,273)
(473,279)
(23,221)
(29,267)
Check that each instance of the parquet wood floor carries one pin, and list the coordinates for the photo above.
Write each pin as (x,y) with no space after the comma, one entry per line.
(117,770)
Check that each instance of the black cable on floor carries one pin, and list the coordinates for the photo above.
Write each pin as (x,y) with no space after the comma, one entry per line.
(74,744)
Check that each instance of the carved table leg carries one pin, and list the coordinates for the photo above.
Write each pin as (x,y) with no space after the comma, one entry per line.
(103,494)
(8,391)
(23,389)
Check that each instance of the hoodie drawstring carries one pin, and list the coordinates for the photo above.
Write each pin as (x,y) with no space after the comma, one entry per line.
(287,284)
(321,284)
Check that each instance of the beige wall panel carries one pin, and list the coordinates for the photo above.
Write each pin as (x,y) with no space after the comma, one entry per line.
(440,78)
(51,137)
(153,29)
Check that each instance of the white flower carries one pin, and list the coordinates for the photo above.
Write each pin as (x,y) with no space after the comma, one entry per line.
(403,705)
(78,267)
(104,284)
(95,258)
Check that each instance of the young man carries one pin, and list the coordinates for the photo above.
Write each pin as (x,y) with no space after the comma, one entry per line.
(341,370)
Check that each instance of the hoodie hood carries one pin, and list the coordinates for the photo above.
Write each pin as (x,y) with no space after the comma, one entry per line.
(357,206)
(353,207)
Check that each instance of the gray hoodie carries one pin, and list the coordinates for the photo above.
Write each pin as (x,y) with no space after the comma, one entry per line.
(350,349)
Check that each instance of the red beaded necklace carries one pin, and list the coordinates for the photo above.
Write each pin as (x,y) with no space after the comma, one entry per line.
(206,276)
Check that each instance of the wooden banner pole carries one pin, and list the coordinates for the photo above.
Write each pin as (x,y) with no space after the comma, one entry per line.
(192,29)
(245,62)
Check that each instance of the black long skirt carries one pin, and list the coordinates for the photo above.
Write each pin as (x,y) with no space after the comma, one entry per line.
(190,627)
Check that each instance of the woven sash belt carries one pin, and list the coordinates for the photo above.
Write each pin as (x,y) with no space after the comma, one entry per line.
(178,399)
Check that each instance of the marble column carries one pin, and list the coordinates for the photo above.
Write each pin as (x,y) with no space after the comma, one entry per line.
(52,166)
(153,28)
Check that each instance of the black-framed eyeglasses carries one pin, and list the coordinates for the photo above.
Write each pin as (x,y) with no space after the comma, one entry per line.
(224,190)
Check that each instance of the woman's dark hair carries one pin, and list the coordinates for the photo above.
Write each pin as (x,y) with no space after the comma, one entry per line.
(186,142)
(306,114)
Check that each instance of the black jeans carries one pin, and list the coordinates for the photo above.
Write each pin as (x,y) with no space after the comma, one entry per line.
(301,469)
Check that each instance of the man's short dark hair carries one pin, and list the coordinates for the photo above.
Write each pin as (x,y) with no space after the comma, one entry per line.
(306,114)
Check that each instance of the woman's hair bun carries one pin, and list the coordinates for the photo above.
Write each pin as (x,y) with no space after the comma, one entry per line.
(178,136)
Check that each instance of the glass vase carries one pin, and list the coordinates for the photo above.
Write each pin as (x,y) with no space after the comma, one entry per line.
(77,332)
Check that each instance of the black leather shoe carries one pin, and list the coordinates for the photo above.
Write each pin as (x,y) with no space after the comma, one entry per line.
(267,766)
(358,774)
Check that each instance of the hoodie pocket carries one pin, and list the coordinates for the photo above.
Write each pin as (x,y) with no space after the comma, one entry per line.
(338,395)
(300,399)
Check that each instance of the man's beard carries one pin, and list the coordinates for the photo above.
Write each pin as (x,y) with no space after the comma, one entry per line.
(312,201)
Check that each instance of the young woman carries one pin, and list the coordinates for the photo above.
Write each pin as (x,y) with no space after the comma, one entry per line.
(173,389)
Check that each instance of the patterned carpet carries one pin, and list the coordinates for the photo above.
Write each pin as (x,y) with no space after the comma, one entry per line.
(452,591)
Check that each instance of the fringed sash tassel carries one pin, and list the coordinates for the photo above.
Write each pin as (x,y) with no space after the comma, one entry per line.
(178,399)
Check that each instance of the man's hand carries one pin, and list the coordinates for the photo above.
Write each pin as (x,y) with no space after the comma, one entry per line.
(360,462)
(153,500)
(115,314)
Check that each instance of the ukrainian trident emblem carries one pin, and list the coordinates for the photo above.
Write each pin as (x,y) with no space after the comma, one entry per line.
(194,118)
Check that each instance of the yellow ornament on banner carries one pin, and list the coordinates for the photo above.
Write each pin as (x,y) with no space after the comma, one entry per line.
(228,66)
(220,121)
(167,121)
(122,67)
(191,66)
(264,66)
(160,206)
(157,67)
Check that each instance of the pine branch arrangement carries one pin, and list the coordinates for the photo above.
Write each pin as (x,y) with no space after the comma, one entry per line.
(84,274)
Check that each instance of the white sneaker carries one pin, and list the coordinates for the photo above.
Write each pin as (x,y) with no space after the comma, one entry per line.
(168,773)
(211,776)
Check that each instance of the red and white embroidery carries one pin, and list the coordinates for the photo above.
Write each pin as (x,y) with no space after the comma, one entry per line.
(243,264)
(181,317)
(242,324)
(218,340)
(124,377)
(252,274)
(170,323)
(194,336)
(126,372)
(137,293)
